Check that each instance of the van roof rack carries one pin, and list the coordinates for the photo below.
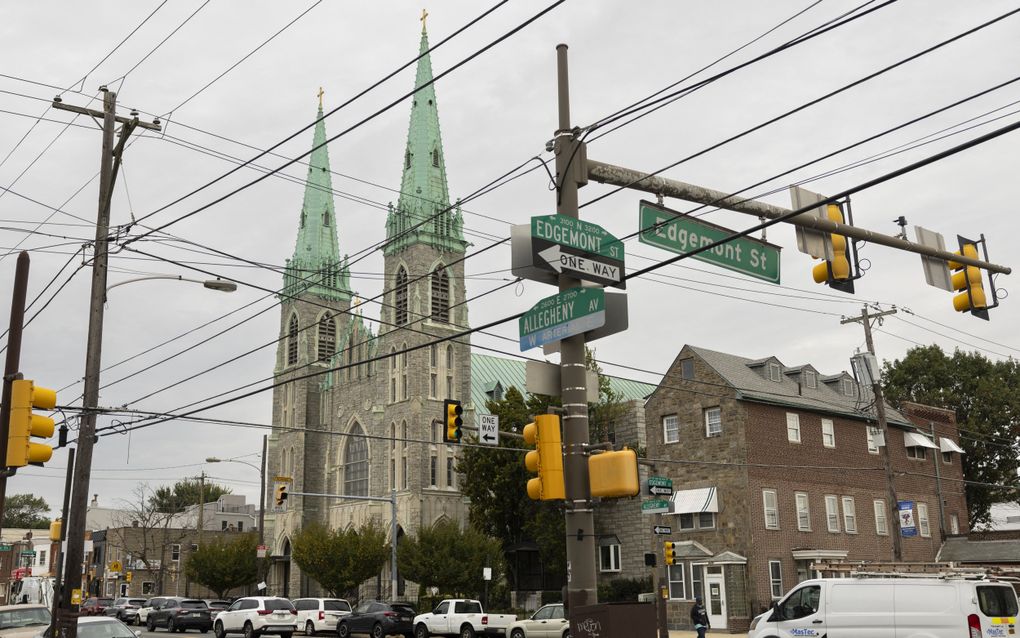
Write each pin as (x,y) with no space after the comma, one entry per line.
(904,570)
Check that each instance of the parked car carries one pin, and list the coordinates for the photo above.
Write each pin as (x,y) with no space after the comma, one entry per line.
(125,609)
(99,627)
(547,622)
(180,614)
(460,617)
(216,606)
(257,615)
(880,607)
(320,614)
(152,603)
(23,621)
(378,619)
(95,606)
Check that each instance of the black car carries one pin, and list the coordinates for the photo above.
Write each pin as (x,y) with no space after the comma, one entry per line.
(378,619)
(180,614)
(126,609)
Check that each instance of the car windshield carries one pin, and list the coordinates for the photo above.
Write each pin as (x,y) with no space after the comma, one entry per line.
(137,601)
(104,629)
(24,617)
(336,605)
(274,604)
(218,604)
(194,604)
(997,600)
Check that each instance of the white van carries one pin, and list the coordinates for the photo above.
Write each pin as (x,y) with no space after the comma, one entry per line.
(879,607)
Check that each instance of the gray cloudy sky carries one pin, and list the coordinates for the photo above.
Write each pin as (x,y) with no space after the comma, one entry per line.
(496,112)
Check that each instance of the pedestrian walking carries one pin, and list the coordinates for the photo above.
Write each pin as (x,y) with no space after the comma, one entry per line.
(699,616)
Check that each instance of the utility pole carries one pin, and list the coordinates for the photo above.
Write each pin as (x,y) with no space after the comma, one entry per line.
(262,492)
(13,363)
(571,172)
(109,165)
(201,506)
(876,389)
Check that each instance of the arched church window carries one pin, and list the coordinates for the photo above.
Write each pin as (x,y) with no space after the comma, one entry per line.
(401,296)
(407,158)
(327,337)
(356,463)
(292,340)
(449,372)
(325,218)
(435,157)
(440,295)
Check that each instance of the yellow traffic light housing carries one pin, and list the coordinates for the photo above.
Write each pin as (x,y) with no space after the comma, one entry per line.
(968,282)
(836,272)
(669,551)
(614,474)
(56,529)
(281,494)
(546,459)
(21,451)
(451,417)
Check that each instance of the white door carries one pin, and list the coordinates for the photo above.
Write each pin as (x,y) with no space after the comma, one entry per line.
(715,600)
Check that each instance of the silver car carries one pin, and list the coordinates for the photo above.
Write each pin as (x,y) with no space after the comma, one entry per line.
(547,622)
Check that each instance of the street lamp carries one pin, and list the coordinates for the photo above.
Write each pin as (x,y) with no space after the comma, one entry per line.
(217,284)
(262,490)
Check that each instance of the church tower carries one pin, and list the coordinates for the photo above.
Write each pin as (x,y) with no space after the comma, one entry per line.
(314,303)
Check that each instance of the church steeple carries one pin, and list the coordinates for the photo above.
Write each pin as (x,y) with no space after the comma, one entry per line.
(423,189)
(316,267)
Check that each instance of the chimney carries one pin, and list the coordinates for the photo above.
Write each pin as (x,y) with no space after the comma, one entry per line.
(95,501)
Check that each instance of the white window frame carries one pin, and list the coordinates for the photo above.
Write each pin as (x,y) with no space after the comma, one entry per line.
(923,523)
(848,387)
(881,518)
(803,506)
(793,427)
(872,444)
(832,513)
(709,432)
(175,552)
(775,372)
(828,433)
(917,453)
(671,572)
(811,379)
(954,524)
(849,515)
(771,512)
(776,581)
(614,558)
(667,430)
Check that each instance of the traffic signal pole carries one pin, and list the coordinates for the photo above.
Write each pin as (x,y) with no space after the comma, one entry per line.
(571,172)
(11,367)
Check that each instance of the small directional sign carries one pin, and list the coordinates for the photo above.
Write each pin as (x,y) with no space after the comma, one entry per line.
(601,271)
(662,491)
(488,429)
(655,506)
(563,315)
(660,485)
(662,530)
(555,244)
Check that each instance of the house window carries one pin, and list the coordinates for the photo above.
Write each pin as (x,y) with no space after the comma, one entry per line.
(440,295)
(803,512)
(292,340)
(42,558)
(793,427)
(776,578)
(810,379)
(775,373)
(240,526)
(698,520)
(923,525)
(609,558)
(917,452)
(670,429)
(327,337)
(687,369)
(696,578)
(848,387)
(881,522)
(771,509)
(148,587)
(828,433)
(947,458)
(677,586)
(849,515)
(872,441)
(713,422)
(175,552)
(954,524)
(400,293)
(223,526)
(832,513)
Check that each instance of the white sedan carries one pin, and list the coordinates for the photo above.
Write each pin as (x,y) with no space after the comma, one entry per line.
(547,622)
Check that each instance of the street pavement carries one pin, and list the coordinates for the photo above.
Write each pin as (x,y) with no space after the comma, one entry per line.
(161,633)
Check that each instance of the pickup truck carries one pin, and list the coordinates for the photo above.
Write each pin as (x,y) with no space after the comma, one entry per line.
(462,618)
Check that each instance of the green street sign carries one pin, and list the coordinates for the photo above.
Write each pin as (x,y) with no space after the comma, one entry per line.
(680,233)
(28,553)
(5,548)
(584,236)
(563,315)
(655,506)
(659,481)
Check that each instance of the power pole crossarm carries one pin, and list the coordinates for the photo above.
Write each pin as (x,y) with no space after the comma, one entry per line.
(629,178)
(133,121)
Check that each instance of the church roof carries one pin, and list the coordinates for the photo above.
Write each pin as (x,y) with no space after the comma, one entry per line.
(423,213)
(487,371)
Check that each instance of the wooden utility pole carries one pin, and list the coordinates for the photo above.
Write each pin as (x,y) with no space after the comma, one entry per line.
(11,368)
(109,165)
(876,389)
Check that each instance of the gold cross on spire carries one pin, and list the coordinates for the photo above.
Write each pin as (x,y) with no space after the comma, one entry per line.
(424,14)
(321,92)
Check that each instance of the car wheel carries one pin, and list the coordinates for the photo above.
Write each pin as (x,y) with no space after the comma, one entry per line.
(421,631)
(343,630)
(377,631)
(517,633)
(287,635)
(218,630)
(249,631)
(170,626)
(309,628)
(467,631)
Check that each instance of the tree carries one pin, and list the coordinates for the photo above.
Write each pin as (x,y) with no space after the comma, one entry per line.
(26,511)
(340,560)
(986,398)
(224,565)
(444,556)
(176,498)
(147,535)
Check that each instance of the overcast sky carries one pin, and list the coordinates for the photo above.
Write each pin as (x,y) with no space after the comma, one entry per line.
(496,111)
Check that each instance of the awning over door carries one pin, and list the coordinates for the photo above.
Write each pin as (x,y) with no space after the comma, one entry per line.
(693,501)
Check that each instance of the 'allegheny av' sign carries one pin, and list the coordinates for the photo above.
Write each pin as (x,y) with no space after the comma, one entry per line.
(563,315)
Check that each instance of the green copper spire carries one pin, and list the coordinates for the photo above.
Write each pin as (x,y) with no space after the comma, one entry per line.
(423,189)
(316,267)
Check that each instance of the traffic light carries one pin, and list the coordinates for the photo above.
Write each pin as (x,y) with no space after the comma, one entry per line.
(128,576)
(55,529)
(614,474)
(835,272)
(546,459)
(669,551)
(21,451)
(281,494)
(967,280)
(451,417)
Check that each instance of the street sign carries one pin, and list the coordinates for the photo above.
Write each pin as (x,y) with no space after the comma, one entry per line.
(662,491)
(115,566)
(553,244)
(598,271)
(680,233)
(655,506)
(28,552)
(660,481)
(5,548)
(488,429)
(261,551)
(563,315)
(662,530)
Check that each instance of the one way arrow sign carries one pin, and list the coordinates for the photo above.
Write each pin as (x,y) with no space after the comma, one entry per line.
(656,489)
(488,429)
(588,268)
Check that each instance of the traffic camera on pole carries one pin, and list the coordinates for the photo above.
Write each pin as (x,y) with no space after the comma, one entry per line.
(835,271)
(967,280)
(546,459)
(24,425)
(669,551)
(451,417)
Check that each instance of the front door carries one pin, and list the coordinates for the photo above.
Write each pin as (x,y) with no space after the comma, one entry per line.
(715,600)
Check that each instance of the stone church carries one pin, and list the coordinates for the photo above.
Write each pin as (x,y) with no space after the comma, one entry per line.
(346,432)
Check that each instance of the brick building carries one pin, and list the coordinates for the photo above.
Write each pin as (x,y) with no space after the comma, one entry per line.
(777,467)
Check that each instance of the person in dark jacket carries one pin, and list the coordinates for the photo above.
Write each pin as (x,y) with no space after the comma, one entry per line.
(699,617)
